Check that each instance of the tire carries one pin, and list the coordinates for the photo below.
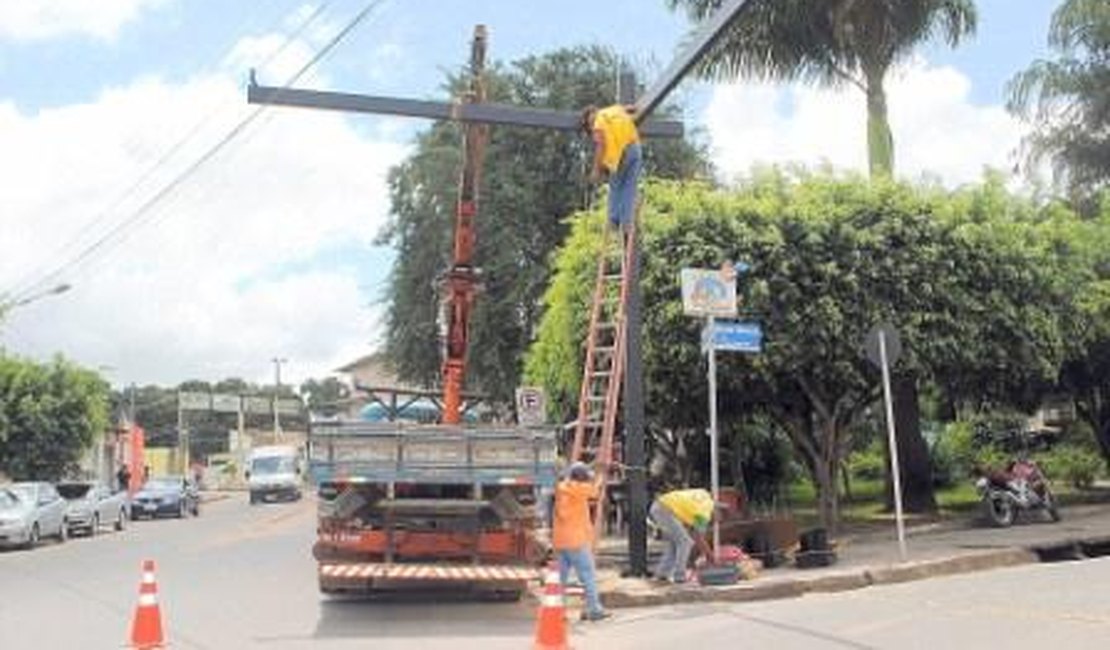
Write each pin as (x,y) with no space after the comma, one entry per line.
(1050,506)
(33,538)
(121,521)
(999,511)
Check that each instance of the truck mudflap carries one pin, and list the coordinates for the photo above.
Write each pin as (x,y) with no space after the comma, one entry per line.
(361,573)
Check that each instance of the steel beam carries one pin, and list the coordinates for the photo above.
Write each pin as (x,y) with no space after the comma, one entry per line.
(541,118)
(703,40)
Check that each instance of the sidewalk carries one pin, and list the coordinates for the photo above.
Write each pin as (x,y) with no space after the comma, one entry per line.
(945,548)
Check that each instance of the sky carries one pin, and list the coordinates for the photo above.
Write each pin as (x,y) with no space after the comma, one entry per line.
(200,237)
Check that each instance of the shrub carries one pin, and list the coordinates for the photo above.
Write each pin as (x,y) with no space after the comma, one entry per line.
(1077,466)
(868,464)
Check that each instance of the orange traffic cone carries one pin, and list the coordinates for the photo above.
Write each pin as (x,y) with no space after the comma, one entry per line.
(551,622)
(146,628)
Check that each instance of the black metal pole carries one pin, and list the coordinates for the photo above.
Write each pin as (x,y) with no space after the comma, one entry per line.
(635,454)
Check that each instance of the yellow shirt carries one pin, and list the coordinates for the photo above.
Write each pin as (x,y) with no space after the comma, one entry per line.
(692,507)
(617,132)
(572,525)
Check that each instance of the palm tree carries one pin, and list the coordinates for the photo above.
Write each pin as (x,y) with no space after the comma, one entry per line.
(833,43)
(1068,98)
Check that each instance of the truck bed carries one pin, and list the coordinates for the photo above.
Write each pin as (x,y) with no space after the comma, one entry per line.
(352,451)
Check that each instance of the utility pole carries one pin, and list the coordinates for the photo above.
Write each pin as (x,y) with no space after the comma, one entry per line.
(277,389)
(483,113)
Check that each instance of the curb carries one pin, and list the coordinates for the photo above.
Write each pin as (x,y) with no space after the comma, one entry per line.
(792,587)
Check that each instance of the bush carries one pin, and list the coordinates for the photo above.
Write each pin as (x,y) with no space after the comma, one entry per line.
(868,464)
(1077,466)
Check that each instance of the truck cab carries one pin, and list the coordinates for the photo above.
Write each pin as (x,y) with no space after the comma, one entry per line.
(274,473)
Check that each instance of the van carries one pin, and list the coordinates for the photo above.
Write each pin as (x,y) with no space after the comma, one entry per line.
(273,473)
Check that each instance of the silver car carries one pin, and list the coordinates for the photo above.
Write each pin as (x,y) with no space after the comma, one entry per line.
(30,511)
(91,505)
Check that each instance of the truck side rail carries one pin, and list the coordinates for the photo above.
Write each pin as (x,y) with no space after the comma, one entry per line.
(357,451)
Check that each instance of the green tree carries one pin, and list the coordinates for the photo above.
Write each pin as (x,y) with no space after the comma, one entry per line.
(972,291)
(836,43)
(1067,97)
(532,180)
(49,416)
(325,396)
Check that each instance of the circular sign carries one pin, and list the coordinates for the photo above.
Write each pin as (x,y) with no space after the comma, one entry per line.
(891,341)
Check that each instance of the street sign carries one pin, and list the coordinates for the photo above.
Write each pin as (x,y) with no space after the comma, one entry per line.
(709,292)
(289,406)
(893,344)
(531,406)
(259,405)
(735,336)
(194,401)
(225,403)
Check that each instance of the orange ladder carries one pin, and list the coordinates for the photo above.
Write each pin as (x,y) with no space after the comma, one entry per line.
(603,369)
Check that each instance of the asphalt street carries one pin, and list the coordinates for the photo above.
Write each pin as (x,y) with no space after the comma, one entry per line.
(241,577)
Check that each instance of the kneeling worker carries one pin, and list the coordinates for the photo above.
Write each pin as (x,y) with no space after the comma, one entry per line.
(682,516)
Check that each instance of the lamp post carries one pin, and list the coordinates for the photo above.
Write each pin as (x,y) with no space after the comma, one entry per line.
(6,306)
(277,389)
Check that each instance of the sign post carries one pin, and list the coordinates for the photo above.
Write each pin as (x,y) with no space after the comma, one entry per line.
(883,347)
(712,295)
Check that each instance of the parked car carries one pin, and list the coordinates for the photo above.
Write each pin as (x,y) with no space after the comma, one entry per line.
(91,505)
(166,495)
(30,511)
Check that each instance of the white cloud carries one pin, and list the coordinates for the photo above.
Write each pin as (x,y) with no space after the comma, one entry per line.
(230,270)
(30,20)
(938,131)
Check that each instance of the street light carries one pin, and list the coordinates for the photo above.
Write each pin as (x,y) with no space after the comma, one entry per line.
(53,291)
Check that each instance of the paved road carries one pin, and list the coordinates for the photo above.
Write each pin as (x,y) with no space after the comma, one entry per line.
(240,577)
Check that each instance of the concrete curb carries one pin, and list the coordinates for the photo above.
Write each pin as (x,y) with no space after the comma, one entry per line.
(775,587)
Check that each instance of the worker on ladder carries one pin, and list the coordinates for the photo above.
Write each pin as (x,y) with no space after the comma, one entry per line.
(617,154)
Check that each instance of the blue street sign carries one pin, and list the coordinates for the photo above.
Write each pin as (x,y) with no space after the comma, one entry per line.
(734,336)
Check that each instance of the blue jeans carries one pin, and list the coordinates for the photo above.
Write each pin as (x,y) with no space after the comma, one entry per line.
(582,560)
(622,186)
(679,544)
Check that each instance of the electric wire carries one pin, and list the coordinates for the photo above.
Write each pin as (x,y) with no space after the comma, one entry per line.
(118,234)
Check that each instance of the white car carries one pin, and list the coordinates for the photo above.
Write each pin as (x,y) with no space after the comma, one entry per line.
(30,511)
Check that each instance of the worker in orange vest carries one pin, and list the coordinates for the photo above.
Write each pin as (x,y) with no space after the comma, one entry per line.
(573,534)
(617,154)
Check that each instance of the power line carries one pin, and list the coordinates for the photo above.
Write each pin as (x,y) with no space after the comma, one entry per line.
(118,233)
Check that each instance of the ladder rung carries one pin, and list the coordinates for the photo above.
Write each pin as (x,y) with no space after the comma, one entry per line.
(596,398)
(606,326)
(605,350)
(612,276)
(601,374)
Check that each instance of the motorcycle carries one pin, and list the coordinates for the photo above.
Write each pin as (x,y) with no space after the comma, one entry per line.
(1022,487)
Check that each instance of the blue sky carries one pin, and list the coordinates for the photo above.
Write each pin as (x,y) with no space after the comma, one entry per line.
(233,265)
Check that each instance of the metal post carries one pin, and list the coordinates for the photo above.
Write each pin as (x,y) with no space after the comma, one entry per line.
(635,451)
(277,389)
(714,464)
(894,466)
(182,441)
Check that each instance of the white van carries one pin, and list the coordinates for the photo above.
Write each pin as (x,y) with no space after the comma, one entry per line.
(274,472)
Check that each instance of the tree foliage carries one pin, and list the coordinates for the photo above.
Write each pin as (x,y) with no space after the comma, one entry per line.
(532,179)
(970,281)
(49,416)
(833,43)
(1068,98)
